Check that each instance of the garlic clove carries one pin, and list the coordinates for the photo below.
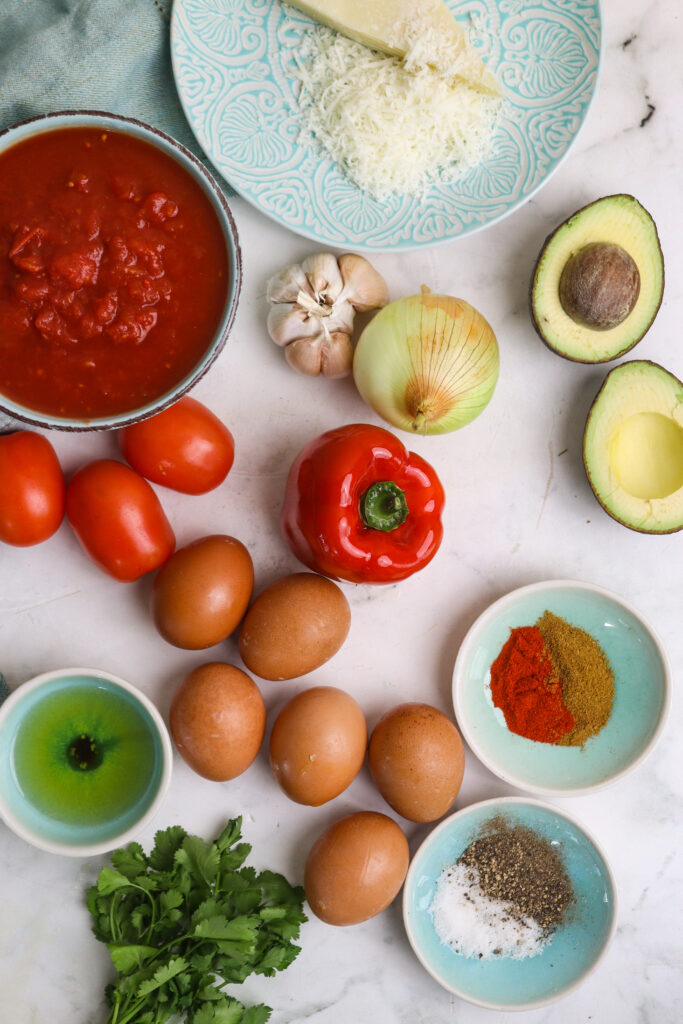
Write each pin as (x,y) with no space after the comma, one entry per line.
(305,355)
(324,276)
(287,284)
(332,355)
(364,288)
(337,355)
(287,322)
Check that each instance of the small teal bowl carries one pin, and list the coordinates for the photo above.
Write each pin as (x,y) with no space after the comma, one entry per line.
(574,950)
(160,140)
(48,831)
(642,690)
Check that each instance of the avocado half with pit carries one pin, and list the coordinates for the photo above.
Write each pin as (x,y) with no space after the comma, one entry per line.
(598,281)
(633,447)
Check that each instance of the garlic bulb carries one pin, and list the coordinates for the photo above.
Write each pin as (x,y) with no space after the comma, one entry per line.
(313,305)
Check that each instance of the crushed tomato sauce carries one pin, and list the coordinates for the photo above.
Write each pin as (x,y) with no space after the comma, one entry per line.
(113,272)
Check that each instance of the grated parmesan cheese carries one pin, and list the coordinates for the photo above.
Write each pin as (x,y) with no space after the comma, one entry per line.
(394,127)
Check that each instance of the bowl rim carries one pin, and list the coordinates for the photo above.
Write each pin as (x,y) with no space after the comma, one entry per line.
(459,676)
(497,802)
(232,243)
(45,679)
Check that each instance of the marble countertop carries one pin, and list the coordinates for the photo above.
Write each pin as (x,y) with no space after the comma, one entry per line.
(519,510)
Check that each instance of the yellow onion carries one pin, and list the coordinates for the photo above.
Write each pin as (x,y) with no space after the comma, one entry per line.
(427,363)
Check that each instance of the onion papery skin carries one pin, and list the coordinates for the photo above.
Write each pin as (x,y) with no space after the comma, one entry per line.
(427,364)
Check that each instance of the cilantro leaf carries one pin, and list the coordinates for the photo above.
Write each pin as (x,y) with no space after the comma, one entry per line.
(199,859)
(230,834)
(130,861)
(161,976)
(185,921)
(110,880)
(256,1014)
(127,958)
(165,845)
(230,1011)
(240,929)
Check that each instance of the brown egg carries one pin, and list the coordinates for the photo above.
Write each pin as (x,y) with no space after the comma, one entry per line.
(317,745)
(294,626)
(356,868)
(202,592)
(417,761)
(218,719)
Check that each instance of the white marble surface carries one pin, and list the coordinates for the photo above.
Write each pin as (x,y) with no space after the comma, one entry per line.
(519,510)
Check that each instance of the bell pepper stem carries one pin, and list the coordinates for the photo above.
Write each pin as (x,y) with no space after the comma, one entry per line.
(383,506)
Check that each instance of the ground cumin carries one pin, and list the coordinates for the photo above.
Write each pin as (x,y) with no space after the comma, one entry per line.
(587,678)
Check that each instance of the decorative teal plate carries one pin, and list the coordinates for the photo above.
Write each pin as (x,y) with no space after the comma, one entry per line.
(642,690)
(574,950)
(231,60)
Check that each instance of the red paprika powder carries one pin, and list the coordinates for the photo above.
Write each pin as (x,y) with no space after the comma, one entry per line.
(524,685)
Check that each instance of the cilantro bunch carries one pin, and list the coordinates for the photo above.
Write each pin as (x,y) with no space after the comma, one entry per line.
(185,921)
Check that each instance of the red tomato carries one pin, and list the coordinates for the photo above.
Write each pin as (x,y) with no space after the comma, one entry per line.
(31,489)
(118,519)
(185,448)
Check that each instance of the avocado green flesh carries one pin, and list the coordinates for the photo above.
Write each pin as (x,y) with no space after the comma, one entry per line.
(84,756)
(633,447)
(620,220)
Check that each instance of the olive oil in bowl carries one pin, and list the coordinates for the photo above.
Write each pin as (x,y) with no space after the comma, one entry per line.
(82,760)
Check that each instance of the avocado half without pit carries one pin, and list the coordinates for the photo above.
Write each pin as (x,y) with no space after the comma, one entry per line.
(633,447)
(598,281)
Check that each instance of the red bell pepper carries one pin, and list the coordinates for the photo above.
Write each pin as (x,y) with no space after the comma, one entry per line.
(360,507)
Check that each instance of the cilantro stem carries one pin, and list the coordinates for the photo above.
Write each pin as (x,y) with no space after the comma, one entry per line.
(113,927)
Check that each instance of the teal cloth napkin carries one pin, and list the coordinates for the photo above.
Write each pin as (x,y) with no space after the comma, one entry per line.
(90,54)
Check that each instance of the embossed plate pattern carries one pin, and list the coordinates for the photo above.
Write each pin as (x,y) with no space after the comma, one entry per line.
(231,61)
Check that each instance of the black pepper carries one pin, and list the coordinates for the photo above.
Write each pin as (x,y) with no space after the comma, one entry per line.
(522,868)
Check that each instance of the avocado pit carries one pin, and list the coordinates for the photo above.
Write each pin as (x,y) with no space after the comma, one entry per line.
(599,286)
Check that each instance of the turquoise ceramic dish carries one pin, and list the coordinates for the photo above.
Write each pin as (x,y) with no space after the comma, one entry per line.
(232,68)
(135,790)
(642,690)
(574,950)
(128,125)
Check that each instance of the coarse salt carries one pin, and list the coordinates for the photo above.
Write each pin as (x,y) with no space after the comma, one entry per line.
(475,925)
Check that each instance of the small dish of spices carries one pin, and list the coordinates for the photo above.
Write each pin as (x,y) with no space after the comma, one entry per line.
(509,903)
(561,687)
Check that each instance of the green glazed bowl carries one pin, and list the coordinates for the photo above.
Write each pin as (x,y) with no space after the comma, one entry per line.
(642,690)
(107,807)
(574,950)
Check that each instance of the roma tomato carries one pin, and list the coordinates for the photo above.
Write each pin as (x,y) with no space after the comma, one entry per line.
(185,448)
(31,489)
(118,519)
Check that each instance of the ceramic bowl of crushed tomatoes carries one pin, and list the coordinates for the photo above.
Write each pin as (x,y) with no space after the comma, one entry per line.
(561,688)
(120,270)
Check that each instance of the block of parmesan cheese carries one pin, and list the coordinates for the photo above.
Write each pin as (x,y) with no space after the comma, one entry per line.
(422,32)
